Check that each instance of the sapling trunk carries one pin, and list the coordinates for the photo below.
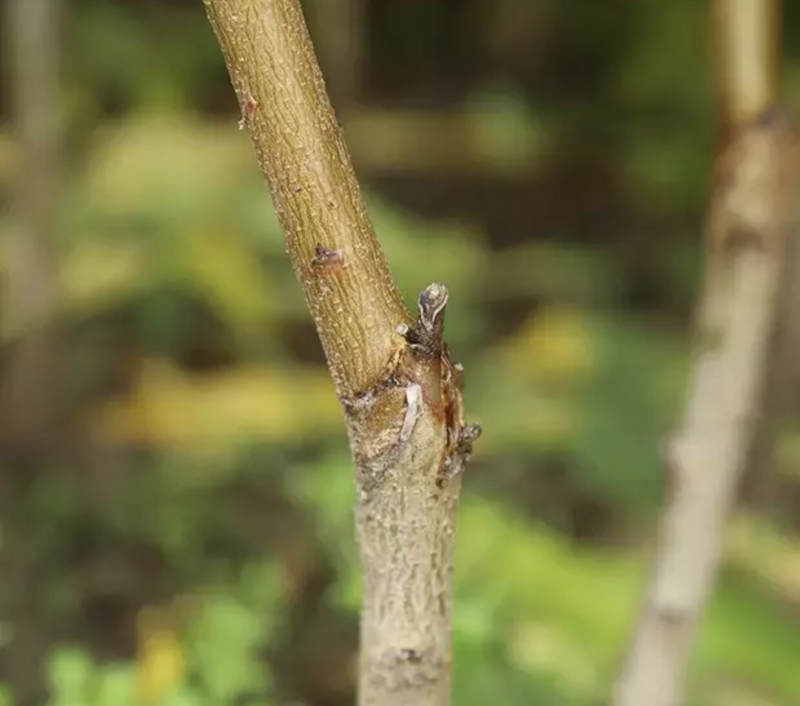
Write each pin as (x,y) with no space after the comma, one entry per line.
(400,392)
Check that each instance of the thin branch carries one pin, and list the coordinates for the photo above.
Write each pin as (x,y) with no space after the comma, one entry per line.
(302,153)
(400,392)
(30,278)
(747,241)
(745,39)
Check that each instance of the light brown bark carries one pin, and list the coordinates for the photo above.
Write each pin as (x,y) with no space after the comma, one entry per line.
(30,295)
(747,228)
(400,393)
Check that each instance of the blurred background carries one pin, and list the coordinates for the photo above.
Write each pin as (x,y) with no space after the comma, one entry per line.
(175,484)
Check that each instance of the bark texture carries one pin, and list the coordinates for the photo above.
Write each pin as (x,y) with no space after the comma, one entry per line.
(400,392)
(747,234)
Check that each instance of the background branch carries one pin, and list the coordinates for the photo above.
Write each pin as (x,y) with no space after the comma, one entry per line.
(746,235)
(30,291)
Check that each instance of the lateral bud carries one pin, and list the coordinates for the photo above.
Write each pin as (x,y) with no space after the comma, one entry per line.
(425,336)
(326,260)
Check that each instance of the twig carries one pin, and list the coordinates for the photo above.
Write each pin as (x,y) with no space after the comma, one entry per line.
(30,279)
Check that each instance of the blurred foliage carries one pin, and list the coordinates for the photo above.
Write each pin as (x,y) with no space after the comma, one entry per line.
(215,662)
(187,538)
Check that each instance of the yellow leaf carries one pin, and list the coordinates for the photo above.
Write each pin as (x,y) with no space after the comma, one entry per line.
(162,162)
(160,658)
(95,275)
(213,413)
(555,344)
(225,273)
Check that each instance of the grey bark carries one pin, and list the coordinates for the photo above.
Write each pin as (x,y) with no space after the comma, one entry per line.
(705,460)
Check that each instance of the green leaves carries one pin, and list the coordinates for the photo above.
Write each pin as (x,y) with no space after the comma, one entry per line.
(216,660)
(223,648)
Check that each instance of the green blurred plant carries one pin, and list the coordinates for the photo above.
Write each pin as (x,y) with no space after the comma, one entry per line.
(170,243)
(217,661)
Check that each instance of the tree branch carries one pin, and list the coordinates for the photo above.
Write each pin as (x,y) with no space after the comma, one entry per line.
(400,392)
(301,150)
(745,38)
(747,228)
(30,281)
